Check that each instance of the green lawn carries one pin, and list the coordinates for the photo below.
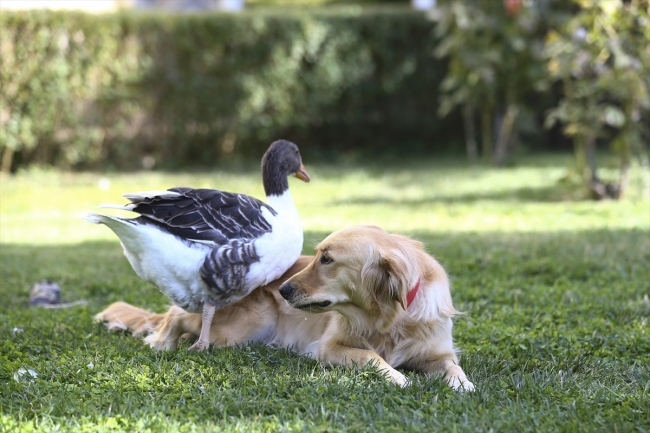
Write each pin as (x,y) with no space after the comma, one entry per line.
(556,335)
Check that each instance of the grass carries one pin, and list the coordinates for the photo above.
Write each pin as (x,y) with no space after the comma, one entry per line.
(555,288)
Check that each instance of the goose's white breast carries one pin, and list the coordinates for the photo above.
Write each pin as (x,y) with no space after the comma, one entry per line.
(279,249)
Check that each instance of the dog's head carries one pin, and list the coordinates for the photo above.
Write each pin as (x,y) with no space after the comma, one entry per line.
(362,272)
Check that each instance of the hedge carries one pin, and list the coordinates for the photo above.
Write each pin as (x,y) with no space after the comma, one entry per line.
(81,90)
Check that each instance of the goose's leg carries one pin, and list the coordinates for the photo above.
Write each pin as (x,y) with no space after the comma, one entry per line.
(204,339)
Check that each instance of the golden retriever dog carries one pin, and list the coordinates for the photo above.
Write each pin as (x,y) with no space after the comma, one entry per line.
(366,296)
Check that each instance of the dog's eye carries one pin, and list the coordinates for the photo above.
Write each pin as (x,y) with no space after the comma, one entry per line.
(325,260)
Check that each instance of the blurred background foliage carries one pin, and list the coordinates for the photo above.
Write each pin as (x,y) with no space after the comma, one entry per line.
(495,69)
(601,57)
(85,90)
(132,89)
(585,64)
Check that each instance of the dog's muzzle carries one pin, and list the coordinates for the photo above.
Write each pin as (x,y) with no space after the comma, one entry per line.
(287,290)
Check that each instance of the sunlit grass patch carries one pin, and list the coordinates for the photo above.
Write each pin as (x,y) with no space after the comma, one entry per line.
(443,196)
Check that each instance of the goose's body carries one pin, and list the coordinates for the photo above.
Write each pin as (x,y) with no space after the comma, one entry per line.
(205,249)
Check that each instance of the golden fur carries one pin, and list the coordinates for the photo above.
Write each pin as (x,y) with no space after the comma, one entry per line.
(358,283)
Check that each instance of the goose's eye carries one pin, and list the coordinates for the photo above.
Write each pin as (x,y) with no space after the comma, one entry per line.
(326,260)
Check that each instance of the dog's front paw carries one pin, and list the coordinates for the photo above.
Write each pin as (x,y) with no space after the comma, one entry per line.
(155,342)
(460,384)
(398,378)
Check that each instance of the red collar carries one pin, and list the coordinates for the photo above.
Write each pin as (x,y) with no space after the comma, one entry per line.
(411,295)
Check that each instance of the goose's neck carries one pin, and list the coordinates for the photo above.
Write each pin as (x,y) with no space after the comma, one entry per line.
(283,204)
(274,177)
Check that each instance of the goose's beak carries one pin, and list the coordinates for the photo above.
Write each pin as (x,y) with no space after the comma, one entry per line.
(302,173)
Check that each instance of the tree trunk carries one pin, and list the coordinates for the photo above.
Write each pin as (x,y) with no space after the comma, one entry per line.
(624,179)
(581,160)
(7,159)
(645,171)
(599,190)
(505,135)
(514,143)
(486,132)
(470,135)
(590,153)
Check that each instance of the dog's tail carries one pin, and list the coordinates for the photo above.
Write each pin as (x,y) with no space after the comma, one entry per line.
(121,316)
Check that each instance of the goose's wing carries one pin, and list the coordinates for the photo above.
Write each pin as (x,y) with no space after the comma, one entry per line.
(225,269)
(206,215)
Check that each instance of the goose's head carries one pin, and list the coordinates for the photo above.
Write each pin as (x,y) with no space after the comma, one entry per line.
(280,161)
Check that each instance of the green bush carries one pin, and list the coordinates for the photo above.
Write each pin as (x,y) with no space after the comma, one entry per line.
(83,90)
(602,57)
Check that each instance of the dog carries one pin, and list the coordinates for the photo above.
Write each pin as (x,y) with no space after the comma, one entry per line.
(366,296)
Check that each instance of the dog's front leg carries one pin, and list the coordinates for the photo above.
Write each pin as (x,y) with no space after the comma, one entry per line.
(174,323)
(338,352)
(448,366)
(455,377)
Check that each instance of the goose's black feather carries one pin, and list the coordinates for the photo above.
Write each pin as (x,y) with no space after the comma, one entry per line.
(207,214)
(224,269)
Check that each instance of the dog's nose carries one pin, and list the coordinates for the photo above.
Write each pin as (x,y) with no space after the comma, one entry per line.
(286,290)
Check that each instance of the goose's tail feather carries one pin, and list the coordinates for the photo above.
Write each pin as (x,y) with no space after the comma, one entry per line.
(108,220)
(94,218)
(138,197)
(128,207)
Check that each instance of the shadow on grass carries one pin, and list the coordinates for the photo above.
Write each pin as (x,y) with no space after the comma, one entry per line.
(547,194)
(99,273)
(95,271)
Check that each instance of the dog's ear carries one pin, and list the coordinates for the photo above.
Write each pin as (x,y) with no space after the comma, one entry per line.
(385,278)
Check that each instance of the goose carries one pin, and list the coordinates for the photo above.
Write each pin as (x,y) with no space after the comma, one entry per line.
(205,248)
